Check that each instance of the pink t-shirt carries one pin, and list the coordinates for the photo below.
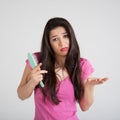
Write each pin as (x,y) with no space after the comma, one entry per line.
(66,109)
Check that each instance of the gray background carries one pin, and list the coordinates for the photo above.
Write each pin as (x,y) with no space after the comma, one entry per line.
(97,27)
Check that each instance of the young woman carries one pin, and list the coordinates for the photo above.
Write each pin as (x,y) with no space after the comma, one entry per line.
(66,76)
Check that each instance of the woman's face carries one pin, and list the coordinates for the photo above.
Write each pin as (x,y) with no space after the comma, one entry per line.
(59,41)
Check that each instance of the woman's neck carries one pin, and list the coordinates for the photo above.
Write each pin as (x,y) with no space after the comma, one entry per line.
(60,62)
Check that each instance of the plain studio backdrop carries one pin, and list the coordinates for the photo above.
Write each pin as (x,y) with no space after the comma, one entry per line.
(97,27)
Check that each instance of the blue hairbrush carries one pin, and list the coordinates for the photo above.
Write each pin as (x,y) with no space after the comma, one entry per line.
(33,64)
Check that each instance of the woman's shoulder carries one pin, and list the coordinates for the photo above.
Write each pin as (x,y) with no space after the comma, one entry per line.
(36,56)
(84,61)
(86,67)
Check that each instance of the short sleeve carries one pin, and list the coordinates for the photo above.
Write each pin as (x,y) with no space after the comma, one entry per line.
(36,56)
(86,67)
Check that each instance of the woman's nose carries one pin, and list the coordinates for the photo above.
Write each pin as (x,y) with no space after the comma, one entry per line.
(61,42)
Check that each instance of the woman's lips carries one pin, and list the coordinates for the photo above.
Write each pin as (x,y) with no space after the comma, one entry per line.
(64,49)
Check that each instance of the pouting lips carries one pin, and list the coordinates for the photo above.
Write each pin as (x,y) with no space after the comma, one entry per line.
(64,49)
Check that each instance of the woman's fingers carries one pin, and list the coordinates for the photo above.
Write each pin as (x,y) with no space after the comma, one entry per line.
(37,73)
(96,81)
(43,71)
(37,68)
(102,80)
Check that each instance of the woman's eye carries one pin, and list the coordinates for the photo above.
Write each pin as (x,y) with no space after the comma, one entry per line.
(66,36)
(55,39)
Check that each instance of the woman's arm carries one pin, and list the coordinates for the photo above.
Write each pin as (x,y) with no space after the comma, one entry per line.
(88,96)
(30,79)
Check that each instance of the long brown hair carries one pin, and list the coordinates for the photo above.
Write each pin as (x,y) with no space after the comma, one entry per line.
(72,62)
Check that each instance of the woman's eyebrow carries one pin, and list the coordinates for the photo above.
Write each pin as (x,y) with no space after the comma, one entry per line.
(57,35)
(53,36)
(65,33)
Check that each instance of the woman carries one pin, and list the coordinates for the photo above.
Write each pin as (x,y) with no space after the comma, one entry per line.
(65,74)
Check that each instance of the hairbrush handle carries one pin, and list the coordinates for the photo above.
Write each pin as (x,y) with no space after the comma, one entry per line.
(33,64)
